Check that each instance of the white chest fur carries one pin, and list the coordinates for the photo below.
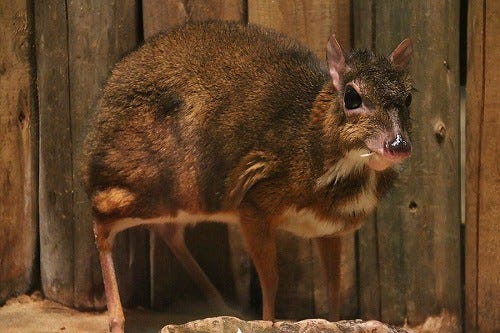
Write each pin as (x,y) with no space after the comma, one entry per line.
(364,202)
(353,162)
(306,223)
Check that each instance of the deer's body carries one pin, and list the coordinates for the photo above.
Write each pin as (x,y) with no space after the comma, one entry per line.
(238,124)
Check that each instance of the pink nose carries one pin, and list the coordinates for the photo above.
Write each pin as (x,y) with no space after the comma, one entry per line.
(398,146)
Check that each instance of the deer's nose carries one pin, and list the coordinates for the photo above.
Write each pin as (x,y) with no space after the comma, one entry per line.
(398,146)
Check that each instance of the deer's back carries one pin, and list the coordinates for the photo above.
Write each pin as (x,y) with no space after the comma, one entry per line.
(178,114)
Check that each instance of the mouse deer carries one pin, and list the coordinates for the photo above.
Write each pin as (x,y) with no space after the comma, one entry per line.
(240,124)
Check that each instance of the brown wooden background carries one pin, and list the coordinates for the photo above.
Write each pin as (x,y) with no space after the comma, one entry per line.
(411,261)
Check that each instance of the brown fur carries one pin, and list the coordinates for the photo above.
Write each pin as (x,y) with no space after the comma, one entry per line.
(216,117)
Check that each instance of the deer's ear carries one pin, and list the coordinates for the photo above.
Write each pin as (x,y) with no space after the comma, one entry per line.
(401,56)
(336,62)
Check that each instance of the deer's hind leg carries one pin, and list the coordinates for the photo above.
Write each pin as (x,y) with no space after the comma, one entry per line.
(104,242)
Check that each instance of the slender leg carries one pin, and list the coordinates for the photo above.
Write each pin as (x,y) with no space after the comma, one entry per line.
(330,250)
(173,235)
(115,311)
(261,245)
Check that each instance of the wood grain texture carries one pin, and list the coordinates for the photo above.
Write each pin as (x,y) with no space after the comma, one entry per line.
(56,165)
(483,182)
(18,153)
(169,281)
(474,108)
(301,291)
(363,29)
(72,66)
(99,34)
(368,271)
(489,182)
(311,22)
(418,224)
(162,15)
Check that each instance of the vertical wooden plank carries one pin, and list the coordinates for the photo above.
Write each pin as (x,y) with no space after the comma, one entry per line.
(99,34)
(474,118)
(390,215)
(363,16)
(301,292)
(18,158)
(489,183)
(169,281)
(418,225)
(483,185)
(77,43)
(56,179)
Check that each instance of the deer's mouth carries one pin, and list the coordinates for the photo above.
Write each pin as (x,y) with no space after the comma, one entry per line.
(381,159)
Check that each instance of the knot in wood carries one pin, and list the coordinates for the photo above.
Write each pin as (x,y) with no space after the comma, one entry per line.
(440,131)
(413,207)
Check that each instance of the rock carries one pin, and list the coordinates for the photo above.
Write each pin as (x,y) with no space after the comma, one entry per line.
(235,325)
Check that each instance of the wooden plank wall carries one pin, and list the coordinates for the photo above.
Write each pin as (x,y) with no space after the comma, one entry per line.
(482,288)
(18,152)
(408,255)
(410,265)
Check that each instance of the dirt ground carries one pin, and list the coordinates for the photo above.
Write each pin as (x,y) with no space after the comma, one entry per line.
(32,314)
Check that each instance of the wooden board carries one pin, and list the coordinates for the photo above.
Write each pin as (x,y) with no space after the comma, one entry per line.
(18,152)
(162,15)
(482,172)
(77,44)
(169,281)
(100,33)
(301,292)
(56,179)
(311,22)
(417,230)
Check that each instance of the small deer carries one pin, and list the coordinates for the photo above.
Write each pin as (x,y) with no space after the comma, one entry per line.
(240,124)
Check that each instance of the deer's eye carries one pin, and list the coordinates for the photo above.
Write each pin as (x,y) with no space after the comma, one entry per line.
(408,100)
(352,100)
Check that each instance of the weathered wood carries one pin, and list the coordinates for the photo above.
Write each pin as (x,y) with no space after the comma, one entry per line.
(100,33)
(74,57)
(363,16)
(302,291)
(18,152)
(474,110)
(482,182)
(311,22)
(162,15)
(368,274)
(56,179)
(169,281)
(418,224)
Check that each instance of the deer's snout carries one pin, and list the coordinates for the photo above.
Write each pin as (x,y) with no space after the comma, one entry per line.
(398,147)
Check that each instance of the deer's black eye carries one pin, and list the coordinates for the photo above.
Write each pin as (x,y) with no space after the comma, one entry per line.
(352,100)
(408,100)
